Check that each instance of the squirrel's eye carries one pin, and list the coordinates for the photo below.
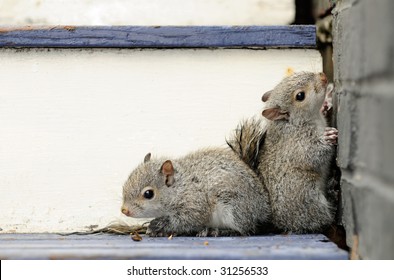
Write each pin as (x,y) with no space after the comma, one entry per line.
(300,96)
(149,194)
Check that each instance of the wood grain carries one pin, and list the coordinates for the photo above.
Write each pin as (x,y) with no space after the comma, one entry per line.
(301,36)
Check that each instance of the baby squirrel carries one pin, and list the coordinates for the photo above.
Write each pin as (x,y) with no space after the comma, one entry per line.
(208,192)
(292,152)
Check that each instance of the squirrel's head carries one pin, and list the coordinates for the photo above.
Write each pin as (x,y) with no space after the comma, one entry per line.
(298,97)
(146,187)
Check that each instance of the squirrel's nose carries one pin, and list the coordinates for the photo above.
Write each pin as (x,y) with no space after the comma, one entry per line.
(323,78)
(125,211)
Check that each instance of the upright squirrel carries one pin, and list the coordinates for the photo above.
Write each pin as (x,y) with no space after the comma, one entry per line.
(208,192)
(292,151)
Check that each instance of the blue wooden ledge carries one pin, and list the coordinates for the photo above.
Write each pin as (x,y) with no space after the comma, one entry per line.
(295,36)
(112,247)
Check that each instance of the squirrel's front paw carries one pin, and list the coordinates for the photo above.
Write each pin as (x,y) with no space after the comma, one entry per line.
(330,135)
(158,226)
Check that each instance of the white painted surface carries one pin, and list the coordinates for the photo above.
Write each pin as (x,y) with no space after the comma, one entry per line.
(147,12)
(74,123)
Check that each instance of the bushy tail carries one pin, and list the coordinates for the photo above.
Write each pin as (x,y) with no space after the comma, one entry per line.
(247,141)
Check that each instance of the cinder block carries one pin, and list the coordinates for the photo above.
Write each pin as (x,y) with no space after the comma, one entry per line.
(366,134)
(377,40)
(347,41)
(375,140)
(346,209)
(367,206)
(374,210)
(363,44)
(364,77)
(347,123)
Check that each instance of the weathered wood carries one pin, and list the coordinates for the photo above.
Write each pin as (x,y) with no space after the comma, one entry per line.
(52,246)
(159,36)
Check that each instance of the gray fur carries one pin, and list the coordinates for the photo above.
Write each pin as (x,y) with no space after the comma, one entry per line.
(295,158)
(247,140)
(212,191)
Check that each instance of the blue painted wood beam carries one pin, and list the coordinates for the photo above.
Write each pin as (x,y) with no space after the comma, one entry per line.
(295,36)
(111,247)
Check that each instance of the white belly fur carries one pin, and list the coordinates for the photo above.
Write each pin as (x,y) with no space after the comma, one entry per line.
(222,218)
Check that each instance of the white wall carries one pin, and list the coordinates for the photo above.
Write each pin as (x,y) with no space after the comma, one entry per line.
(74,123)
(146,12)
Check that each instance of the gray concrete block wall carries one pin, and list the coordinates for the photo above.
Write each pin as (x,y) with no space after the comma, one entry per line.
(363,58)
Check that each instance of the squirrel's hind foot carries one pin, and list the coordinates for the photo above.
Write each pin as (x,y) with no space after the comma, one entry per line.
(215,232)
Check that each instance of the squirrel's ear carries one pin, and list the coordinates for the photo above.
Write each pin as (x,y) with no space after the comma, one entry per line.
(147,157)
(275,113)
(266,96)
(167,169)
